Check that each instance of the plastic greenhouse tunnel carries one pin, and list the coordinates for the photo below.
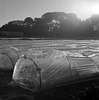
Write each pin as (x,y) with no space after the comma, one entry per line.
(53,68)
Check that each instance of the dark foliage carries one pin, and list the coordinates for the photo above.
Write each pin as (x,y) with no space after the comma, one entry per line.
(55,25)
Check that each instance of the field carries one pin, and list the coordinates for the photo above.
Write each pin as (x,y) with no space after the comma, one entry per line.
(11,50)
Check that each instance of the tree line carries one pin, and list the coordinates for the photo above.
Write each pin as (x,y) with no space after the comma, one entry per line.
(56,25)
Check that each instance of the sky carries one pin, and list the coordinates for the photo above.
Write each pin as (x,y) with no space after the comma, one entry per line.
(20,9)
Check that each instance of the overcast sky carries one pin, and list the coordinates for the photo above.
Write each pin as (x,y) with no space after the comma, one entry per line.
(20,9)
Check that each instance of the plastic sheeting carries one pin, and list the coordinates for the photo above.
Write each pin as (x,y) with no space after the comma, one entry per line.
(51,68)
(8,57)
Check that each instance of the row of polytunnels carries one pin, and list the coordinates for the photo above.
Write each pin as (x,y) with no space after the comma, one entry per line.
(38,70)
